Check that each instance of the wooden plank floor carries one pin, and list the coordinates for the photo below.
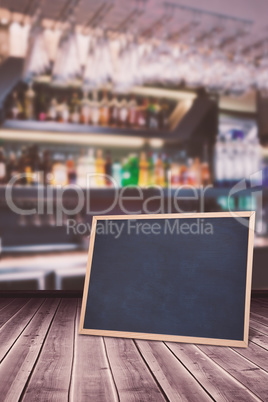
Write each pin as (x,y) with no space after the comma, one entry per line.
(44,359)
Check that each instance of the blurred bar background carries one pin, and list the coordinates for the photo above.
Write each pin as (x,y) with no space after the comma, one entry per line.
(167,96)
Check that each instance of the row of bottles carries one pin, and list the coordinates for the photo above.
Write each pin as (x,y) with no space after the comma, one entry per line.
(93,169)
(89,108)
(237,156)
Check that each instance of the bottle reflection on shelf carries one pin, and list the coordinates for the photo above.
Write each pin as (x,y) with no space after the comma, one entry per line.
(51,220)
(3,166)
(22,221)
(79,218)
(36,220)
(64,219)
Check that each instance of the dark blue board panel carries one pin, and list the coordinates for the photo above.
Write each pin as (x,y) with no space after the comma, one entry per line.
(169,283)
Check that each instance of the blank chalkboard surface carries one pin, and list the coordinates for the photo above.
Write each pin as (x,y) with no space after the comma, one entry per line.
(174,277)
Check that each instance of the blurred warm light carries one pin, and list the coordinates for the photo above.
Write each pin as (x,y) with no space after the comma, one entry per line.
(74,138)
(156,143)
(264,151)
(163,93)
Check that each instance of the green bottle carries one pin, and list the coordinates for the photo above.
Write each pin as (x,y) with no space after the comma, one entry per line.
(125,172)
(151,178)
(134,169)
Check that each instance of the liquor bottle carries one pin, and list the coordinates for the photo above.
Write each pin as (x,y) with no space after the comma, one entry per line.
(190,172)
(125,172)
(175,172)
(257,174)
(163,115)
(143,170)
(3,170)
(16,109)
(151,175)
(159,172)
(152,114)
(252,158)
(104,109)
(63,111)
(95,109)
(81,170)
(196,172)
(205,172)
(238,172)
(117,173)
(114,112)
(12,166)
(28,167)
(142,113)
(85,109)
(59,171)
(71,172)
(91,168)
(75,108)
(123,113)
(133,169)
(166,165)
(219,159)
(100,169)
(183,168)
(29,103)
(22,161)
(46,167)
(108,169)
(228,160)
(52,111)
(41,106)
(132,112)
(35,164)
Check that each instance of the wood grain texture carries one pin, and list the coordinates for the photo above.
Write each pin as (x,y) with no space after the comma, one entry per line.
(255,353)
(260,309)
(175,380)
(91,377)
(44,359)
(260,318)
(217,382)
(18,364)
(15,325)
(250,375)
(5,301)
(260,301)
(257,326)
(133,380)
(259,338)
(11,309)
(52,374)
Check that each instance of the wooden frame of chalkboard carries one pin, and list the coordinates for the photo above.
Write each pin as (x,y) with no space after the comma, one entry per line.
(244,298)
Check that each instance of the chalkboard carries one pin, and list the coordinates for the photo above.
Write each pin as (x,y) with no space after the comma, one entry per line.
(173,277)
